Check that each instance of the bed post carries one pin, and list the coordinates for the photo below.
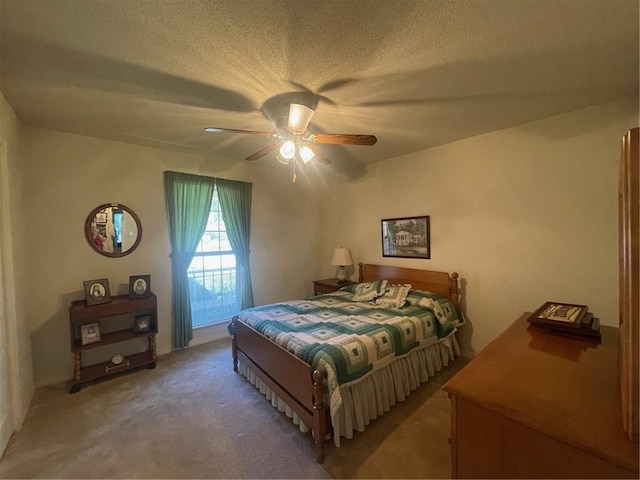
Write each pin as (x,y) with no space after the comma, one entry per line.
(454,288)
(234,348)
(360,265)
(319,415)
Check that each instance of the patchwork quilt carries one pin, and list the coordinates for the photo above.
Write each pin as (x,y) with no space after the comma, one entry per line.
(349,339)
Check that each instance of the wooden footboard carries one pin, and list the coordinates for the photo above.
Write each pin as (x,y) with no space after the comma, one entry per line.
(289,377)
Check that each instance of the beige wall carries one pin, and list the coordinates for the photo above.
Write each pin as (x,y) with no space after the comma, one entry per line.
(525,215)
(16,374)
(69,175)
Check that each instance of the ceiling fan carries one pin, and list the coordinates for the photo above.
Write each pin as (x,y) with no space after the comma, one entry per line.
(293,140)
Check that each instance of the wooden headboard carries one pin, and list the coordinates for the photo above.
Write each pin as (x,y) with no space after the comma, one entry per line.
(437,282)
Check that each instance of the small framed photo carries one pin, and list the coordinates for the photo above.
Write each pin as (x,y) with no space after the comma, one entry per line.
(139,286)
(89,333)
(142,323)
(97,292)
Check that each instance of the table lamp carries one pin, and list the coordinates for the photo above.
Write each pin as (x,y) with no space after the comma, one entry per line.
(341,259)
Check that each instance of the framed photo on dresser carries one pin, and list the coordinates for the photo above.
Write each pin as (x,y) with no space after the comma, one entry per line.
(560,314)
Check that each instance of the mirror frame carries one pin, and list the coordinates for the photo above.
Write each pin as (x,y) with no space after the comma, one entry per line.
(91,217)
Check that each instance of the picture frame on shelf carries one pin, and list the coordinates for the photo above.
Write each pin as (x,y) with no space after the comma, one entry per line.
(142,324)
(406,237)
(139,286)
(90,333)
(96,292)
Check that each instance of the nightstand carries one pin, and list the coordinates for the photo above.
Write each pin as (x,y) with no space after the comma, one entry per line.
(329,285)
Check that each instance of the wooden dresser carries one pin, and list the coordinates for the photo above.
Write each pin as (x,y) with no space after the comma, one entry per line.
(538,405)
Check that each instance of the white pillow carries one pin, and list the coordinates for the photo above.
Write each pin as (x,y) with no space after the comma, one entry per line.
(365,292)
(394,295)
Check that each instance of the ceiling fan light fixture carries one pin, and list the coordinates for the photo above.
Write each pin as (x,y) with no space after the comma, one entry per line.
(288,150)
(306,154)
(294,142)
(299,117)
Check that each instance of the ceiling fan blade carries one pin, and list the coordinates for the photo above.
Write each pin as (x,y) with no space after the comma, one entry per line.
(322,158)
(261,153)
(342,139)
(232,130)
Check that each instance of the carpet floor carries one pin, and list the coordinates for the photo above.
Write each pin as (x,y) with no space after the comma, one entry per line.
(194,417)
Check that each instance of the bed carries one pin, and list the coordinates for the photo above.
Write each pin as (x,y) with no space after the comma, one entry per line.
(327,360)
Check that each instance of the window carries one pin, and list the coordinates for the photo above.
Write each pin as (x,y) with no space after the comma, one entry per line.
(212,273)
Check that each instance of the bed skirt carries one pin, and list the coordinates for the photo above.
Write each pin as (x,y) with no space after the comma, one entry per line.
(370,397)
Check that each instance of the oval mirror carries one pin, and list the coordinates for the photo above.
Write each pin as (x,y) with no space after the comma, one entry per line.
(113,230)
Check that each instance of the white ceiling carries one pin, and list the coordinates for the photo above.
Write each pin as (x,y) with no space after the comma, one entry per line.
(414,73)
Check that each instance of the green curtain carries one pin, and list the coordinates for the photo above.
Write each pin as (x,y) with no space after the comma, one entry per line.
(235,204)
(188,198)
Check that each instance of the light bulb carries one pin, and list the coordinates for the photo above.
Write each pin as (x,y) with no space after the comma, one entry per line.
(288,150)
(306,154)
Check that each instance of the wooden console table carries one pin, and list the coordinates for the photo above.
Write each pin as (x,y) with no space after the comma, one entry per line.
(538,405)
(80,314)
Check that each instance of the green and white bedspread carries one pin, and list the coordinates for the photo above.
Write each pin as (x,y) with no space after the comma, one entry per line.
(350,339)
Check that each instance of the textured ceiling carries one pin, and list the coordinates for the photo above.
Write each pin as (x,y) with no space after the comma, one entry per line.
(414,73)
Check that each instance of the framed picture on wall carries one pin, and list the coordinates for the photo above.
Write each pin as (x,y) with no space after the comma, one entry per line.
(139,286)
(97,292)
(406,237)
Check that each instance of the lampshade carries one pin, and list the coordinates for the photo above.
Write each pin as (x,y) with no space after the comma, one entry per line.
(299,117)
(306,153)
(341,257)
